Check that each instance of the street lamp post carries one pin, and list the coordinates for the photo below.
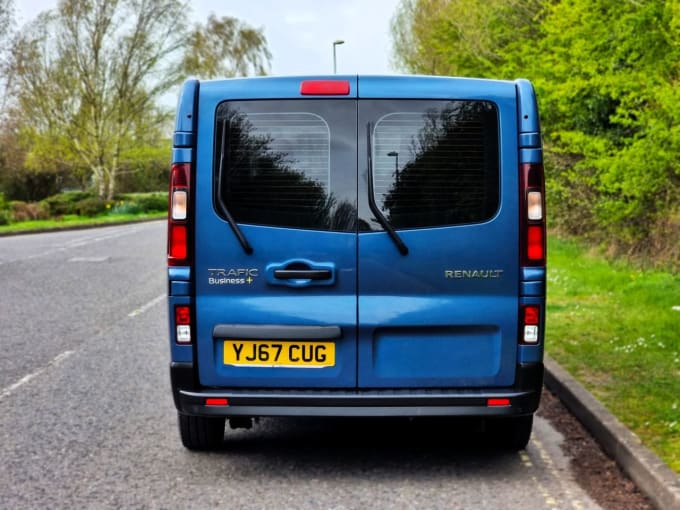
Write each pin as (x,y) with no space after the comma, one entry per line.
(335,64)
(395,155)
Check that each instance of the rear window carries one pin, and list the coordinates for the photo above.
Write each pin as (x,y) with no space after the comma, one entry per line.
(274,161)
(436,163)
(294,163)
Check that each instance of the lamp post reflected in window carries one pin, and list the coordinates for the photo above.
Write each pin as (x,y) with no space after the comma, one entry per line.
(395,155)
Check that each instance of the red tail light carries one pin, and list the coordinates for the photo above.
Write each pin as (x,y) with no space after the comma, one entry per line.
(324,88)
(498,402)
(216,402)
(530,320)
(183,324)
(178,214)
(532,215)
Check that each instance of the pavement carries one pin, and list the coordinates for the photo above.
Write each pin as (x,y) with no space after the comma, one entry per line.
(652,476)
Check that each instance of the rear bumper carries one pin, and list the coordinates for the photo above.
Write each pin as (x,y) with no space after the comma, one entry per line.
(524,397)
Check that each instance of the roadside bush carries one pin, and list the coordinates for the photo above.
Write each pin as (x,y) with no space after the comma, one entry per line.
(90,206)
(25,211)
(157,202)
(126,207)
(137,203)
(4,210)
(67,202)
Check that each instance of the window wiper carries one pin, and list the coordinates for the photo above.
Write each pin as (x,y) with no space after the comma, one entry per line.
(223,208)
(403,249)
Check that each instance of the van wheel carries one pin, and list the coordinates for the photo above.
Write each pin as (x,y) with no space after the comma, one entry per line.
(201,433)
(512,433)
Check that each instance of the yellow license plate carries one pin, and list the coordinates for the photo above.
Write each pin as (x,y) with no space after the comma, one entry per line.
(263,353)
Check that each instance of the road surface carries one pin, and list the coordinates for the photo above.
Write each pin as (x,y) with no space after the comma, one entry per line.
(87,419)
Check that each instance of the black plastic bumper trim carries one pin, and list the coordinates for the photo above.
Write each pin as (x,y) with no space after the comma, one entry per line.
(524,396)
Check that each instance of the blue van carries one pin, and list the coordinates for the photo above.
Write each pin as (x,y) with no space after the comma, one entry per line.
(356,246)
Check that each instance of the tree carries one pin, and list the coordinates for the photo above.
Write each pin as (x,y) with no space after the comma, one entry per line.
(6,22)
(607,75)
(89,75)
(208,45)
(461,37)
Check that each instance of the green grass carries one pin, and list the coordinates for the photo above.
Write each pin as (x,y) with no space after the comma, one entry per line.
(72,220)
(614,327)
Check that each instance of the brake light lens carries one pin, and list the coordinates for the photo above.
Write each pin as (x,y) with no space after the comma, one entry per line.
(178,214)
(177,250)
(535,243)
(324,88)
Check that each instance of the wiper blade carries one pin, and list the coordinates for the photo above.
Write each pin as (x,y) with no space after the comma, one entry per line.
(398,242)
(223,208)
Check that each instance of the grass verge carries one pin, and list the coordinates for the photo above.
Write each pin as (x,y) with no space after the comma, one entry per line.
(74,221)
(617,330)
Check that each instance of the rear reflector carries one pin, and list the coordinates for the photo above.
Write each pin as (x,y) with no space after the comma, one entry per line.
(498,402)
(324,88)
(216,402)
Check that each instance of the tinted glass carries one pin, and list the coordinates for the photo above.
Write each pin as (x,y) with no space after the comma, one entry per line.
(287,163)
(436,163)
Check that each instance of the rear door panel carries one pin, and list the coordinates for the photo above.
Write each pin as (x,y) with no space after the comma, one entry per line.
(445,314)
(236,291)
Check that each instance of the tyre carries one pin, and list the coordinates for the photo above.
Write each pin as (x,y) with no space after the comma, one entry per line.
(512,433)
(201,433)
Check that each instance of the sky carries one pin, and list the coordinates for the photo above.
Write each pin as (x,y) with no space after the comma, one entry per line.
(300,33)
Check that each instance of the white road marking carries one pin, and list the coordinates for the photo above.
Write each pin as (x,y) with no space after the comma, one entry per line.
(6,392)
(89,259)
(145,307)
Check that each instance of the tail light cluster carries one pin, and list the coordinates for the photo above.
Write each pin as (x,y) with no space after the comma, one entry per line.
(533,242)
(183,324)
(531,319)
(532,214)
(178,214)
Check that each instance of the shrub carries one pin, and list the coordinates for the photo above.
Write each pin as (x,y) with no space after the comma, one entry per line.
(156,202)
(90,206)
(67,202)
(126,207)
(26,211)
(4,210)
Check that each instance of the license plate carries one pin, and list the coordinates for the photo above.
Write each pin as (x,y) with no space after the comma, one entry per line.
(262,353)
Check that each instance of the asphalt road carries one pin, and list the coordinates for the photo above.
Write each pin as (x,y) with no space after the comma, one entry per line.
(87,420)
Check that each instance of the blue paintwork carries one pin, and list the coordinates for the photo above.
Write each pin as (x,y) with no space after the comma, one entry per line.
(402,300)
(404,324)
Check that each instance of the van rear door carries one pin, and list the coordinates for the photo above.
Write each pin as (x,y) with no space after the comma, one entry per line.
(276,246)
(438,297)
